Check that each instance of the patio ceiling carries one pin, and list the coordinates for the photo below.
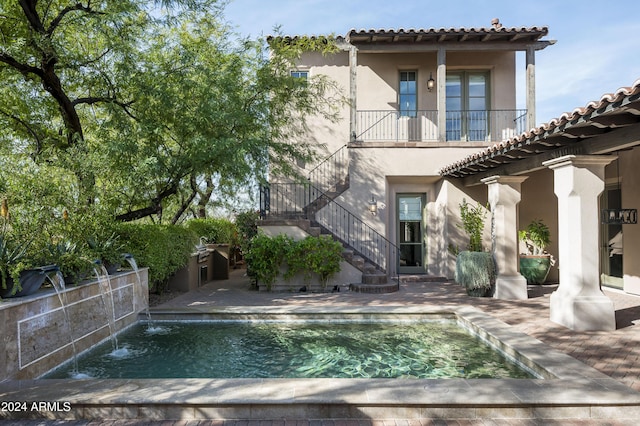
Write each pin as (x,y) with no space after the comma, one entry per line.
(607,125)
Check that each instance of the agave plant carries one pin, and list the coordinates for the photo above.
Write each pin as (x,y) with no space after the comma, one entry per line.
(11,255)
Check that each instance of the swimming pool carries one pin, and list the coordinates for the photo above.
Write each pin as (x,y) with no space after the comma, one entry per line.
(566,388)
(327,347)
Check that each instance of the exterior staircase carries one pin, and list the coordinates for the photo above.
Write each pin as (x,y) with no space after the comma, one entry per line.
(312,207)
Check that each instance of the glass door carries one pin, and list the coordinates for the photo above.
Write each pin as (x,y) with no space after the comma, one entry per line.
(466,104)
(410,214)
(611,241)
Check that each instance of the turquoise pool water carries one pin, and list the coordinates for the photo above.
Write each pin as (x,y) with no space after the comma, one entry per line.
(245,349)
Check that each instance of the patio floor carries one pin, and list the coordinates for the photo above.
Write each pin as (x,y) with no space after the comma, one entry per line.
(614,353)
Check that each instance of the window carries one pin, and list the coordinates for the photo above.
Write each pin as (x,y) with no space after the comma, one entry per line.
(408,94)
(467,115)
(300,74)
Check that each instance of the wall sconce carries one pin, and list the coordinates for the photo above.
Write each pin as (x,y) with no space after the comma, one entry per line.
(431,83)
(373,206)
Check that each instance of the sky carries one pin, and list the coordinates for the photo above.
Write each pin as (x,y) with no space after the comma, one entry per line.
(597,49)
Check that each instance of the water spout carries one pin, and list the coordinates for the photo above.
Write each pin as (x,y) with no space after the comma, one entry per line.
(56,279)
(106,292)
(132,262)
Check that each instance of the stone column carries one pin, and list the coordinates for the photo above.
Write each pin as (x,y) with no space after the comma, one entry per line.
(504,196)
(578,303)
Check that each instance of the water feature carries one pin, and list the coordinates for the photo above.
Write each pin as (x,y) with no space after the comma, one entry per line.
(286,349)
(151,327)
(106,294)
(54,276)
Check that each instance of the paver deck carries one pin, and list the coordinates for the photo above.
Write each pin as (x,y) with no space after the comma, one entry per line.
(614,353)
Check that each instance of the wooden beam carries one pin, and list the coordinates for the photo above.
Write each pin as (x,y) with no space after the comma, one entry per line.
(615,140)
(450,46)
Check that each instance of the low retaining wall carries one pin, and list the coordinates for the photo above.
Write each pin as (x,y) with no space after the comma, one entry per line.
(35,333)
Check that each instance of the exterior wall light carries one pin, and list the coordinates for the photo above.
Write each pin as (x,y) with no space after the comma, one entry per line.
(431,83)
(373,206)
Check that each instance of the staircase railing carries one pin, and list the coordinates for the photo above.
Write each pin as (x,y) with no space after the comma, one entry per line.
(295,200)
(332,171)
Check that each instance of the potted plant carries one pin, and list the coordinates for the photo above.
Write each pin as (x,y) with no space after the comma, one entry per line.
(73,264)
(18,276)
(475,268)
(108,250)
(536,262)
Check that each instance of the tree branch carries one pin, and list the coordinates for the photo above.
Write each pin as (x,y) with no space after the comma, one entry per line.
(23,69)
(76,7)
(29,9)
(186,203)
(29,130)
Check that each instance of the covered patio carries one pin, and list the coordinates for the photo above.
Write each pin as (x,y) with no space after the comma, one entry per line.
(558,172)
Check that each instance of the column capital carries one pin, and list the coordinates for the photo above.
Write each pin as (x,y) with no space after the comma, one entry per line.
(503,179)
(579,161)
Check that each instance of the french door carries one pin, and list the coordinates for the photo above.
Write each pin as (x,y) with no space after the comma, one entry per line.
(467,106)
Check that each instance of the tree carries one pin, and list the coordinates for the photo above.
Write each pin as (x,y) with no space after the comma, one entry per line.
(150,108)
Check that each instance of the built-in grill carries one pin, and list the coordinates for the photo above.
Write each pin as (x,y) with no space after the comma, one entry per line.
(202,252)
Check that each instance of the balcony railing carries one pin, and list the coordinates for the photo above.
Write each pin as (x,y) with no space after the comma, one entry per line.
(422,126)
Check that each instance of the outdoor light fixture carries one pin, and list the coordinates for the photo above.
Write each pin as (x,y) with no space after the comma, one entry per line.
(373,206)
(431,83)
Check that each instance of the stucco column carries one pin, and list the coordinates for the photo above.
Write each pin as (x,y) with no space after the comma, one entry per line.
(441,88)
(353,90)
(578,303)
(504,196)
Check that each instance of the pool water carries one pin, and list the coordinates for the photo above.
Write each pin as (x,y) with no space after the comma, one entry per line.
(433,349)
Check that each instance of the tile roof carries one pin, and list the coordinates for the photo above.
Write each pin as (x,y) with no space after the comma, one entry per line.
(613,110)
(439,35)
(495,33)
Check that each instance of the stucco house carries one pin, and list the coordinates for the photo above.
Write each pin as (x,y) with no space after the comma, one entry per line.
(432,121)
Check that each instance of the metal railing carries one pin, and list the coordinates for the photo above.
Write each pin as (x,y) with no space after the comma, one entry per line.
(484,126)
(397,126)
(332,171)
(422,125)
(295,200)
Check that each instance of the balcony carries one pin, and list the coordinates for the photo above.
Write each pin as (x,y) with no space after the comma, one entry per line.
(481,126)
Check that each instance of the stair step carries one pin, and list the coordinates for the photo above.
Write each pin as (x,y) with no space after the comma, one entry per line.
(358,262)
(422,278)
(347,255)
(314,231)
(376,278)
(374,288)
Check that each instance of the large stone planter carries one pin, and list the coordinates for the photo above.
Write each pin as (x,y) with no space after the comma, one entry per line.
(30,282)
(535,268)
(476,272)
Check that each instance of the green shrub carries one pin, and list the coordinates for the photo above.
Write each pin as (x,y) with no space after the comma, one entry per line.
(473,223)
(164,249)
(266,255)
(247,225)
(320,255)
(214,230)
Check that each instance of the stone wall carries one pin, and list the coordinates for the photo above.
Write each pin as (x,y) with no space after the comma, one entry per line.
(36,336)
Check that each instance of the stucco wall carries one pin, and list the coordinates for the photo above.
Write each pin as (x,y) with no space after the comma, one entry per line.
(377,84)
(630,182)
(539,202)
